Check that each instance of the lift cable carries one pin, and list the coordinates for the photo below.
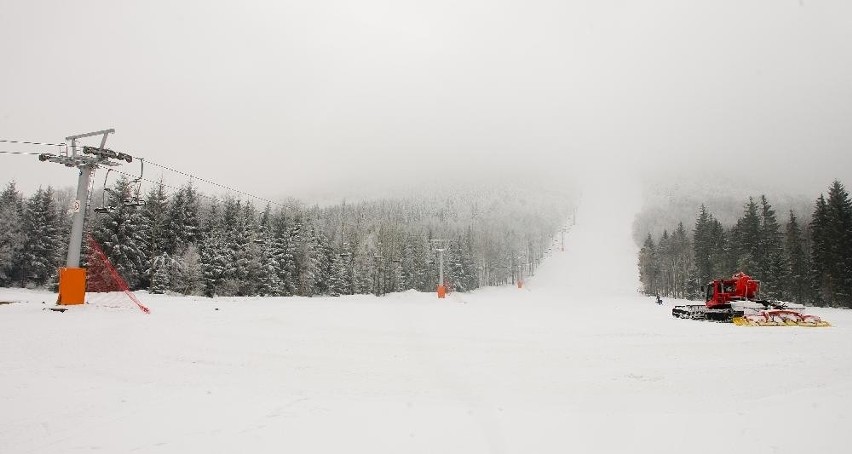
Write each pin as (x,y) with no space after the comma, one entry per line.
(27,142)
(191,176)
(19,152)
(186,174)
(174,188)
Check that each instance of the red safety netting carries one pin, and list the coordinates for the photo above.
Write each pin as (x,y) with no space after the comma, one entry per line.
(102,277)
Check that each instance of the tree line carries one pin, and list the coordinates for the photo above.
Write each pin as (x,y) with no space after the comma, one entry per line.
(190,243)
(807,262)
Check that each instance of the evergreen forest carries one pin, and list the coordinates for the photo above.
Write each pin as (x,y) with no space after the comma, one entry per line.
(807,261)
(182,241)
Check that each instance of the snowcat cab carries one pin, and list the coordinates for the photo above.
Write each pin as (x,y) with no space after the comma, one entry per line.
(721,292)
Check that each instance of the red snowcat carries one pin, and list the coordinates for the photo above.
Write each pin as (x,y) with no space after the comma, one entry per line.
(735,300)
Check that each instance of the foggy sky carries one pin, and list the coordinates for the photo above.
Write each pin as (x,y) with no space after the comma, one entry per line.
(308,98)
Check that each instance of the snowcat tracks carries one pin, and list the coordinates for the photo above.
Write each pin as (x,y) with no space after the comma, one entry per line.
(701,312)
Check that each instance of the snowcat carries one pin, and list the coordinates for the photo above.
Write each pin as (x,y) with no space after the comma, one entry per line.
(735,300)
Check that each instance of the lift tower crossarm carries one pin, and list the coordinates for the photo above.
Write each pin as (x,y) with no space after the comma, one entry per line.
(73,139)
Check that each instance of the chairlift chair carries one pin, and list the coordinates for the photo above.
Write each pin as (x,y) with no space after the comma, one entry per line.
(134,201)
(131,202)
(104,208)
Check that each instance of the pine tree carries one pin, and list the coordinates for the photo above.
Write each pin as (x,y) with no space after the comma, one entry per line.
(704,246)
(820,272)
(11,232)
(649,267)
(283,254)
(312,280)
(682,263)
(468,264)
(337,277)
(162,266)
(840,247)
(772,263)
(247,252)
(183,222)
(120,234)
(187,272)
(232,241)
(344,270)
(797,261)
(665,252)
(454,269)
(746,240)
(718,253)
(422,272)
(364,271)
(154,229)
(215,261)
(39,256)
(674,255)
(269,280)
(407,265)
(296,248)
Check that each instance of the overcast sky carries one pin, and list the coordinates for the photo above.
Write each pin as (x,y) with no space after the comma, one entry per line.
(334,97)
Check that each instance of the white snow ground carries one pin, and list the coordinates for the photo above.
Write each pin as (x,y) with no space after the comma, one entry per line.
(575,362)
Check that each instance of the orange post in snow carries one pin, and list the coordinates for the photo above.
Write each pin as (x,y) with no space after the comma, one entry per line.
(72,286)
(442,291)
(520,283)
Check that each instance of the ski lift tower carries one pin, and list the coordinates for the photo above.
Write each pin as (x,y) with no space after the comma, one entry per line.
(440,246)
(521,268)
(72,278)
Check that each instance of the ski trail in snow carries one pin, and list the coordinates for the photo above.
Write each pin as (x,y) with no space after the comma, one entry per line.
(600,257)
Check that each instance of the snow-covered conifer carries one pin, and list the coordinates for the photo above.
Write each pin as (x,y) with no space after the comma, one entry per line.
(187,273)
(11,232)
(183,219)
(797,260)
(120,233)
(39,256)
(161,279)
(154,228)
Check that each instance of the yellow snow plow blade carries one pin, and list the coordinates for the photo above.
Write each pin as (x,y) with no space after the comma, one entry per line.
(781,318)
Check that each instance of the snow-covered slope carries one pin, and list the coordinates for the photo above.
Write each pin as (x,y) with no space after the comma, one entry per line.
(600,258)
(574,362)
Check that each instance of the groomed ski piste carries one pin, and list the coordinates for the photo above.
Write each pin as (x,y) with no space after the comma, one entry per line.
(576,361)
